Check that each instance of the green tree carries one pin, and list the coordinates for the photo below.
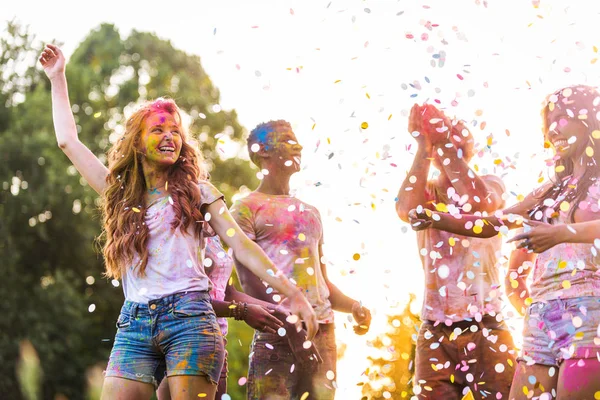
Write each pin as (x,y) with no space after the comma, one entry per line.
(54,294)
(392,367)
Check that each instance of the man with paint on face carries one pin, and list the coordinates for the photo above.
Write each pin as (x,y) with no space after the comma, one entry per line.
(463,343)
(290,232)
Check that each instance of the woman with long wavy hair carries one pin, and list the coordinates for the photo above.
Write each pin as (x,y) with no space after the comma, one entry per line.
(156,209)
(561,343)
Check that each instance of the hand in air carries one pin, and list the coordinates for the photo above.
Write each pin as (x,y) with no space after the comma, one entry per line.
(420,218)
(53,61)
(539,238)
(417,130)
(362,316)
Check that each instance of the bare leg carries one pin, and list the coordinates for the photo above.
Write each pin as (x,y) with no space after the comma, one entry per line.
(188,387)
(163,392)
(125,389)
(542,386)
(579,379)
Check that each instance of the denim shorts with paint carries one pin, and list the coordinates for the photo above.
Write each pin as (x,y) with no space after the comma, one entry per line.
(173,335)
(561,329)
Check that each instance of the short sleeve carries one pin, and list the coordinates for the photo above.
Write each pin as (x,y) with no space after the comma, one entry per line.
(209,194)
(244,216)
(321,237)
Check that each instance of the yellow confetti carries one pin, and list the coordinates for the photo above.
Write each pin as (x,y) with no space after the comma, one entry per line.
(509,361)
(134,209)
(593,61)
(525,390)
(451,241)
(304,396)
(202,395)
(497,161)
(468,396)
(166,185)
(368,97)
(597,395)
(559,168)
(595,49)
(514,284)
(302,237)
(433,367)
(364,125)
(230,232)
(562,264)
(313,127)
(441,207)
(564,206)
(589,151)
(596,134)
(528,301)
(477,229)
(452,378)
(96,115)
(390,117)
(356,256)
(338,81)
(566,284)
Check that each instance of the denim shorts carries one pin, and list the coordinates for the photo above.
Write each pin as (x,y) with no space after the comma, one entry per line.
(173,335)
(561,329)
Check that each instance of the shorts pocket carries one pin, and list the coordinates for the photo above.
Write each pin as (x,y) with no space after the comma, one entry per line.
(189,309)
(124,321)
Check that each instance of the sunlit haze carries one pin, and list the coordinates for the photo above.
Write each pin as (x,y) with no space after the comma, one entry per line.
(328,67)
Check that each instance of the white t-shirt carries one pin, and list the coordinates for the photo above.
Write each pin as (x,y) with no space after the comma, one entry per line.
(175,262)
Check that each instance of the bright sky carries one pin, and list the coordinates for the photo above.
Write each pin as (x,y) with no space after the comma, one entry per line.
(328,66)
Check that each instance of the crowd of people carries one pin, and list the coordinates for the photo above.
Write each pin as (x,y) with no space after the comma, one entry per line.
(164,226)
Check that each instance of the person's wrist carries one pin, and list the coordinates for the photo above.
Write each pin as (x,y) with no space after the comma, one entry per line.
(58,77)
(564,233)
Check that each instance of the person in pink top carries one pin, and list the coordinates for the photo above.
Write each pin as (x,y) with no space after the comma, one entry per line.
(560,221)
(463,343)
(156,206)
(291,233)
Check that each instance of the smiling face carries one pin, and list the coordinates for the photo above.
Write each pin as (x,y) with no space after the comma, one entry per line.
(160,139)
(284,149)
(569,114)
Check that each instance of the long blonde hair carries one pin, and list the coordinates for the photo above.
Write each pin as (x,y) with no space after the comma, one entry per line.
(125,233)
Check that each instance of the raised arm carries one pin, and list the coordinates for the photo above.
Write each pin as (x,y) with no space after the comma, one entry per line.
(482,194)
(86,162)
(541,236)
(254,258)
(412,193)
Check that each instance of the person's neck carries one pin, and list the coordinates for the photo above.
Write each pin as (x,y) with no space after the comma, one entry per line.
(275,185)
(155,181)
(579,168)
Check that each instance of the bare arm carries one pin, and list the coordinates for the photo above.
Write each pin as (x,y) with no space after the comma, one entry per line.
(413,189)
(86,162)
(254,258)
(519,267)
(481,196)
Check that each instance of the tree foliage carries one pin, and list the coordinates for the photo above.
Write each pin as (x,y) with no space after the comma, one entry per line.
(392,367)
(54,294)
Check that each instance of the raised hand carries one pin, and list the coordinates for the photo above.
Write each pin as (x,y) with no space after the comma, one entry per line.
(539,238)
(362,316)
(262,319)
(420,218)
(53,61)
(436,124)
(416,128)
